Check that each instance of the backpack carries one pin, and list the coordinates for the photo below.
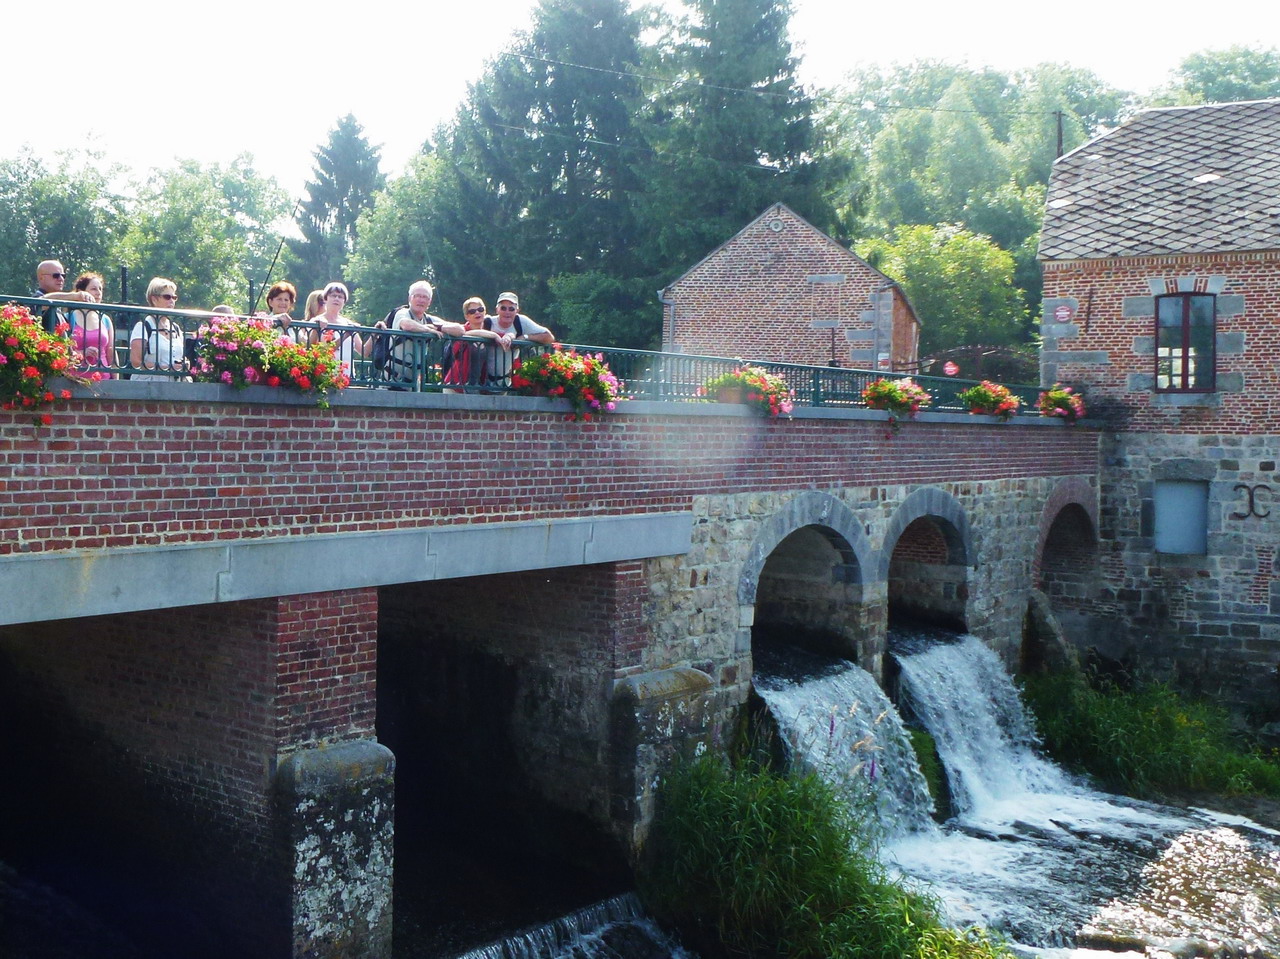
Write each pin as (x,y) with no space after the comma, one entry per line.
(384,357)
(384,342)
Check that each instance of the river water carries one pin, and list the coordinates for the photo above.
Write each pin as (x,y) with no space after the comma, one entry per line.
(1060,869)
(1030,851)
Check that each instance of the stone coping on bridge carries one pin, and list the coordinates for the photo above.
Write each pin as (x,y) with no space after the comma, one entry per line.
(63,585)
(506,403)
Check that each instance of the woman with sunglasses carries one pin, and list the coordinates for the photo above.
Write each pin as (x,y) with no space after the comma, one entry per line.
(156,341)
(468,358)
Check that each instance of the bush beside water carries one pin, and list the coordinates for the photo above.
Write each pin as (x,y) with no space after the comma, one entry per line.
(1146,741)
(745,862)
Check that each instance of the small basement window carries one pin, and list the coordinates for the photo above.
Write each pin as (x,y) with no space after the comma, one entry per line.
(1182,517)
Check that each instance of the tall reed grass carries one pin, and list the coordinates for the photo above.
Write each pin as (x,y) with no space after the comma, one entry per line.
(746,862)
(1146,741)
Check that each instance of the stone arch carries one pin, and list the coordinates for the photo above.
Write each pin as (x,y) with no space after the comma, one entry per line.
(932,581)
(828,516)
(1066,576)
(1071,491)
(807,573)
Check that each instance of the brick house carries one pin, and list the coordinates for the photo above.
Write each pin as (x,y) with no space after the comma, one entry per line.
(1161,259)
(783,290)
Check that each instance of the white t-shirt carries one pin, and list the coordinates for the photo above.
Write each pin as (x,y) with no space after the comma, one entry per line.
(162,346)
(501,360)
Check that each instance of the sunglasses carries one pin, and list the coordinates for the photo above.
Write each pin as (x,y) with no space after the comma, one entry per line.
(58,276)
(172,297)
(507,309)
(475,309)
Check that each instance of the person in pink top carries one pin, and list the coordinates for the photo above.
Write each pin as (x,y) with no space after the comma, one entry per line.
(92,332)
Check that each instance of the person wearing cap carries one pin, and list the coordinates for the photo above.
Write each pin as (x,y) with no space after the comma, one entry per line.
(510,324)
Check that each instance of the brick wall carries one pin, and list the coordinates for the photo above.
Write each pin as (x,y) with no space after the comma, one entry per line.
(1109,353)
(205,698)
(760,295)
(1211,621)
(118,473)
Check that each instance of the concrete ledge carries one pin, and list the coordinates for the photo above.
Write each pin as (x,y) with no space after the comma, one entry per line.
(64,585)
(661,684)
(318,770)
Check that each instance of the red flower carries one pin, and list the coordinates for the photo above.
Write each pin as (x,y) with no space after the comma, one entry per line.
(46,418)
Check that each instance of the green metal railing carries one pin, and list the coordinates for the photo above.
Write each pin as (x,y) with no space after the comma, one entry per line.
(420,362)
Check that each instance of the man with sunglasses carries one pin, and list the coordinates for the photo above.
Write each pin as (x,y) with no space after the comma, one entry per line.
(51,276)
(511,325)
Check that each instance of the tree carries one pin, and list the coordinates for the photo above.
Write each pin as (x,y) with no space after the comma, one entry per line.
(68,213)
(210,228)
(398,241)
(734,132)
(1224,76)
(538,175)
(345,178)
(961,285)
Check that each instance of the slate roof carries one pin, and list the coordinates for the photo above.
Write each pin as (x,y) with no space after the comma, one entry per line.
(1198,179)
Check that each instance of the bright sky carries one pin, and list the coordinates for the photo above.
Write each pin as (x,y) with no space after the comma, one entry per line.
(146,82)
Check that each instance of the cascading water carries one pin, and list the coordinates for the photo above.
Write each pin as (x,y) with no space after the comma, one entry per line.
(835,721)
(1031,852)
(610,929)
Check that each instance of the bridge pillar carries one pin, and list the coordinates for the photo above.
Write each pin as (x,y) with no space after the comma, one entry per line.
(219,761)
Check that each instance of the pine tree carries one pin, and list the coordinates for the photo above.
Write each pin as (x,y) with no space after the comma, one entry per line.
(734,131)
(346,177)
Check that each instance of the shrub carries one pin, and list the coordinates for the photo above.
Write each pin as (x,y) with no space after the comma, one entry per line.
(990,399)
(28,358)
(1061,401)
(745,862)
(1146,741)
(766,393)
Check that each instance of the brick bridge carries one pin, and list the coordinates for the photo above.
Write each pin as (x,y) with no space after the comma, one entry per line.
(260,628)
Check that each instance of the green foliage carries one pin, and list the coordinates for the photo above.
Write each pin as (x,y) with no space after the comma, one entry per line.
(1147,741)
(1225,76)
(67,212)
(935,775)
(961,285)
(209,228)
(733,133)
(747,863)
(344,180)
(397,244)
(596,309)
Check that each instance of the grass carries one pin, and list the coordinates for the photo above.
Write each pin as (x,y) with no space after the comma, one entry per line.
(1148,741)
(745,862)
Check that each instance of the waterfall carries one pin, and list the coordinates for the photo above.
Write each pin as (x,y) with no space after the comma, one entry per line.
(610,929)
(960,691)
(836,721)
(1040,856)
(1031,852)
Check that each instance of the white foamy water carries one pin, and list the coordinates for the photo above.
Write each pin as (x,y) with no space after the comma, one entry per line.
(1062,869)
(836,721)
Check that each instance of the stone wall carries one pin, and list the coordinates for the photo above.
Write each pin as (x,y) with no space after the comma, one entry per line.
(1210,621)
